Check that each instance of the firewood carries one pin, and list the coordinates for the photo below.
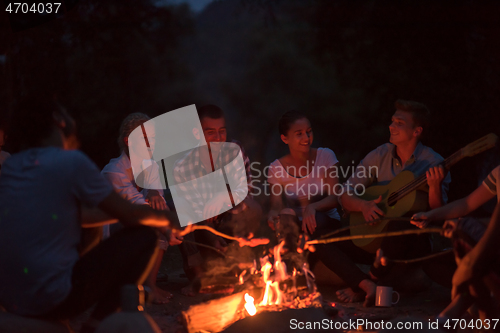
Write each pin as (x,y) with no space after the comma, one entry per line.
(215,315)
(279,321)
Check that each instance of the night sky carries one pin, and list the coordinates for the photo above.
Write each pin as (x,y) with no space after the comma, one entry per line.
(343,63)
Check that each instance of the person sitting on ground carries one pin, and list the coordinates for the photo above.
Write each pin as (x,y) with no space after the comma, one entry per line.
(473,266)
(44,192)
(476,282)
(307,178)
(3,154)
(207,200)
(484,193)
(404,152)
(119,173)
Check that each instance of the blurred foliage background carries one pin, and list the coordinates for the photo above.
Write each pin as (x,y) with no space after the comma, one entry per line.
(342,62)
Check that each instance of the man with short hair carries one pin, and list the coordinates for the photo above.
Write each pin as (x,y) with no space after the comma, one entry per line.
(404,152)
(207,200)
(44,194)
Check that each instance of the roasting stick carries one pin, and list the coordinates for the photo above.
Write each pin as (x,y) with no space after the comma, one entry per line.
(383,234)
(430,256)
(406,219)
(242,241)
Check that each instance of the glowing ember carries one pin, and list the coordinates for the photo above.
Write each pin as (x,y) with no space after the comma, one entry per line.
(249,305)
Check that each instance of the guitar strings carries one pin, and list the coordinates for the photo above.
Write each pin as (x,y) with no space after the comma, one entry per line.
(397,195)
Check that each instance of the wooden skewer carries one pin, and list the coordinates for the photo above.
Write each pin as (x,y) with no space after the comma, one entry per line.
(383,234)
(192,227)
(242,241)
(430,256)
(363,224)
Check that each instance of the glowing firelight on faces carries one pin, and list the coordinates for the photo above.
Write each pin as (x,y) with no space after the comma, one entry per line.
(249,306)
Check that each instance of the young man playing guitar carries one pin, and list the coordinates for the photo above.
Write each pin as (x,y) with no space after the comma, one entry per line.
(404,152)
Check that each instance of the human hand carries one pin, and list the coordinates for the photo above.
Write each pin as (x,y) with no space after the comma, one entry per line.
(215,206)
(435,176)
(371,211)
(421,220)
(304,245)
(449,228)
(309,219)
(175,239)
(156,201)
(174,236)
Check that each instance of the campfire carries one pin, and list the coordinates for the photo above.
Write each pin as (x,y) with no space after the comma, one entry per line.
(267,286)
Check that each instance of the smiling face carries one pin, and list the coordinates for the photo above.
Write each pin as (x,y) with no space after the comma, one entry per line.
(299,136)
(403,129)
(214,129)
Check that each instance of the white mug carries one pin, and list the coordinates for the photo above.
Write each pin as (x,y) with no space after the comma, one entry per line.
(384,296)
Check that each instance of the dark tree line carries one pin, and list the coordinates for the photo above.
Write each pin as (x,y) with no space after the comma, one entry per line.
(342,62)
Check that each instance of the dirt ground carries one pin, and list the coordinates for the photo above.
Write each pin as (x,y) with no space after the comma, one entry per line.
(422,305)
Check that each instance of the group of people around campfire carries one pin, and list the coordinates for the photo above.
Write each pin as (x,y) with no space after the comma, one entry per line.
(51,195)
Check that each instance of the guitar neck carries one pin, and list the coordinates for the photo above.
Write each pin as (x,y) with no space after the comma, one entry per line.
(422,179)
(447,164)
(476,147)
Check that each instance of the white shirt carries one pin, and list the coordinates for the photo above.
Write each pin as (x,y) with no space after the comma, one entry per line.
(119,173)
(300,192)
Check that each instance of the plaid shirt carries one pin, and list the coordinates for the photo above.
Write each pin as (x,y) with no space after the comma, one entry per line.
(189,170)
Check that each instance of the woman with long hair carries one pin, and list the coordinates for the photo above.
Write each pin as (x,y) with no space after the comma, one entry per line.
(307,178)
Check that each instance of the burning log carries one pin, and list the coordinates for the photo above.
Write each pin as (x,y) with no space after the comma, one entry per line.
(279,285)
(277,322)
(215,315)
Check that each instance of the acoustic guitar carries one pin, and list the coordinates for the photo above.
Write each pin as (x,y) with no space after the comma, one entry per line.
(406,194)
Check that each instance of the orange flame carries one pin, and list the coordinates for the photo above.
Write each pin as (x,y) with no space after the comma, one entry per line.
(266,270)
(249,306)
(241,279)
(273,294)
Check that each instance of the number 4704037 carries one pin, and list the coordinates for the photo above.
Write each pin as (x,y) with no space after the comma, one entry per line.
(41,8)
(486,324)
